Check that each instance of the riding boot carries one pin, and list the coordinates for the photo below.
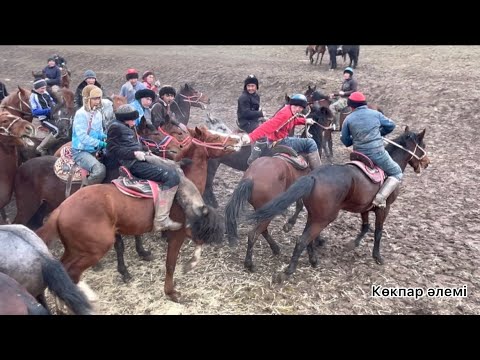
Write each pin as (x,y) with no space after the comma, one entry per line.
(163,203)
(314,160)
(388,187)
(257,149)
(46,143)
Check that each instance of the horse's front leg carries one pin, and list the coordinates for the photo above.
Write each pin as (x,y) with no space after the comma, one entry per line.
(291,222)
(120,249)
(208,195)
(380,216)
(144,254)
(175,241)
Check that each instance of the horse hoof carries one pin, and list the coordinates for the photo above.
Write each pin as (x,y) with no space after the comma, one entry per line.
(379,260)
(250,267)
(127,278)
(350,245)
(233,242)
(276,251)
(175,296)
(279,278)
(287,227)
(314,263)
(147,256)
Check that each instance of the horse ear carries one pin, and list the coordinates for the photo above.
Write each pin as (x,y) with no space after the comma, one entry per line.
(198,131)
(309,88)
(407,129)
(314,88)
(186,86)
(287,98)
(421,135)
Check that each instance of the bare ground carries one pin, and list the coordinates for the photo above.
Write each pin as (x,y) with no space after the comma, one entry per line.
(431,236)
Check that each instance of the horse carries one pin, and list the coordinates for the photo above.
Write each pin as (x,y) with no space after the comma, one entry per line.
(65,79)
(107,211)
(18,103)
(315,49)
(353,52)
(264,179)
(16,300)
(184,100)
(332,188)
(25,258)
(14,133)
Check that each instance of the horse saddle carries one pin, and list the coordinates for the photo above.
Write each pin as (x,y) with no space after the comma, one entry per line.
(363,162)
(129,185)
(66,169)
(290,156)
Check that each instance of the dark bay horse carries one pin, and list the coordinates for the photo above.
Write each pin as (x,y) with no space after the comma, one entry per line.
(16,300)
(14,133)
(186,98)
(332,188)
(264,179)
(108,212)
(353,52)
(18,104)
(25,258)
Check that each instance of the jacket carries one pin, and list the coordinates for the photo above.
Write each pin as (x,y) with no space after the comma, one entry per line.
(248,108)
(80,139)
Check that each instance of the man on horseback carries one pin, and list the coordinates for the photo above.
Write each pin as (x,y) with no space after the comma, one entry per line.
(88,137)
(364,129)
(89,78)
(277,128)
(124,146)
(41,104)
(53,75)
(148,79)
(162,108)
(59,61)
(132,85)
(143,100)
(349,86)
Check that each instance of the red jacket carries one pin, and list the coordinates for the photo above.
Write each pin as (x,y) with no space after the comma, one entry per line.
(269,128)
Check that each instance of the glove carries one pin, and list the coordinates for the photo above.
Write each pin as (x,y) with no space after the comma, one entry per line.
(139,155)
(245,139)
(341,93)
(157,83)
(309,121)
(102,145)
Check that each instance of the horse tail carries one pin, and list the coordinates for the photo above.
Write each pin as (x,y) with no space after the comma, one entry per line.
(240,196)
(49,231)
(60,283)
(209,227)
(299,189)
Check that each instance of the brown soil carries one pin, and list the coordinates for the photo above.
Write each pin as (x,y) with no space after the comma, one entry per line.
(431,236)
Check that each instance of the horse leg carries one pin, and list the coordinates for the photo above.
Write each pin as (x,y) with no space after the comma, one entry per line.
(5,218)
(120,250)
(271,241)
(42,301)
(193,262)
(321,58)
(145,255)
(330,145)
(252,238)
(208,195)
(365,227)
(380,216)
(291,222)
(316,61)
(175,241)
(312,254)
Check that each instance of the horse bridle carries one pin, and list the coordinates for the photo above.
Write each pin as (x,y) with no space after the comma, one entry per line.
(188,98)
(20,110)
(7,129)
(419,158)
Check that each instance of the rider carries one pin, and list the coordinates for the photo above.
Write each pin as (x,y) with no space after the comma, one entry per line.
(364,129)
(132,85)
(123,145)
(53,74)
(143,100)
(88,137)
(349,86)
(148,79)
(41,104)
(3,91)
(277,128)
(249,111)
(59,61)
(162,107)
(89,78)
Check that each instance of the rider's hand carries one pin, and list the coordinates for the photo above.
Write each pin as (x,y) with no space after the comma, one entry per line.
(332,96)
(341,93)
(309,121)
(102,145)
(139,155)
(245,139)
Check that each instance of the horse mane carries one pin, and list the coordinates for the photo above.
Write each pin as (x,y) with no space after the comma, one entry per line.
(401,140)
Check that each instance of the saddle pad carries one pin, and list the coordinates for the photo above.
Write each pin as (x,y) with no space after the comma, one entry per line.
(376,175)
(65,164)
(298,162)
(136,189)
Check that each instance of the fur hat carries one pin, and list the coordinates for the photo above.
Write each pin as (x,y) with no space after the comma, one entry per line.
(251,79)
(89,74)
(147,73)
(131,74)
(39,84)
(167,89)
(356,99)
(88,92)
(126,112)
(145,93)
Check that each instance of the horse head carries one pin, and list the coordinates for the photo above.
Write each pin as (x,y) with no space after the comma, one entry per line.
(118,100)
(18,103)
(217,125)
(217,144)
(414,142)
(62,118)
(16,129)
(193,97)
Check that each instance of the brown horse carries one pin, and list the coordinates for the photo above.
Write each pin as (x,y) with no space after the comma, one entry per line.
(14,133)
(109,212)
(315,49)
(16,300)
(332,188)
(66,79)
(264,179)
(18,104)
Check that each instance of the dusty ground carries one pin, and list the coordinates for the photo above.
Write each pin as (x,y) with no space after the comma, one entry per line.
(431,236)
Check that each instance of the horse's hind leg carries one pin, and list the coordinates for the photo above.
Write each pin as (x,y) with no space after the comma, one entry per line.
(145,255)
(380,215)
(365,227)
(252,238)
(120,250)
(291,222)
(273,244)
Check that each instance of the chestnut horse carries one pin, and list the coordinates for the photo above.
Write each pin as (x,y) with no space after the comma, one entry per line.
(18,104)
(14,133)
(332,188)
(108,212)
(315,49)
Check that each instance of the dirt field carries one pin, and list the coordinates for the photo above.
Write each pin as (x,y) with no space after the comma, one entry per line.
(431,236)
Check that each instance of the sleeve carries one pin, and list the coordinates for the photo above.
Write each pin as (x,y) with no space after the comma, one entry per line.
(267,128)
(300,120)
(80,124)
(157,116)
(244,110)
(353,88)
(386,125)
(36,108)
(346,137)
(114,144)
(123,90)
(78,97)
